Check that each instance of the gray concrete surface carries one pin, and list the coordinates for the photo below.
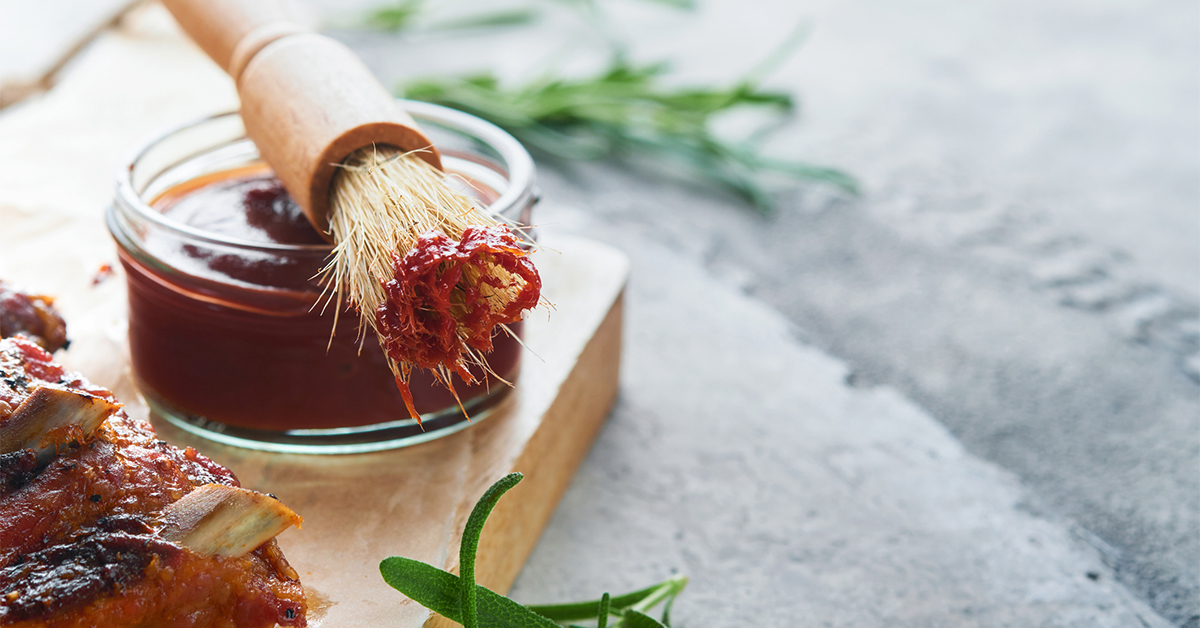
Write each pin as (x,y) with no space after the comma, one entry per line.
(739,455)
(969,397)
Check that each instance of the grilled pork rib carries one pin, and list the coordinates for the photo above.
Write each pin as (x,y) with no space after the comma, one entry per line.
(102,524)
(32,316)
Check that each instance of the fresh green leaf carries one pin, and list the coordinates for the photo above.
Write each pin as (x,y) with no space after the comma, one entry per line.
(602,614)
(635,619)
(438,591)
(587,609)
(671,587)
(470,545)
(492,19)
(666,616)
(425,584)
(397,16)
(403,15)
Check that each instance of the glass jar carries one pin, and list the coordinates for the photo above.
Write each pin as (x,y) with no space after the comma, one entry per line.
(232,339)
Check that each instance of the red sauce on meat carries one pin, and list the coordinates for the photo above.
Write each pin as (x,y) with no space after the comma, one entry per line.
(32,316)
(77,541)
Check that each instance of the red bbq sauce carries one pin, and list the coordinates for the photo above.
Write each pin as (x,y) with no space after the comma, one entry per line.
(443,300)
(236,335)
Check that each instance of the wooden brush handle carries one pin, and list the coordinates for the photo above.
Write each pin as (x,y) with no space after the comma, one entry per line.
(307,100)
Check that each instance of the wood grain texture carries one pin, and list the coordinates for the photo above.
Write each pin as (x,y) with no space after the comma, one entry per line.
(308,102)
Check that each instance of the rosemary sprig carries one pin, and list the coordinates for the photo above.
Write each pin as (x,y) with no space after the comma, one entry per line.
(403,15)
(625,112)
(459,599)
(396,16)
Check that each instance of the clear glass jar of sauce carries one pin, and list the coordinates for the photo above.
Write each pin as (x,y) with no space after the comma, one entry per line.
(230,335)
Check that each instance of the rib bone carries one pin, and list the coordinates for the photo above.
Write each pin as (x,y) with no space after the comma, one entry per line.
(48,417)
(226,521)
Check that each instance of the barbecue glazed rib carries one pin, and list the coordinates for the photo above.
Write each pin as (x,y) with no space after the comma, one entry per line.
(102,524)
(32,316)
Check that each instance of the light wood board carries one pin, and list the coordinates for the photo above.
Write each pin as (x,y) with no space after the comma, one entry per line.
(57,157)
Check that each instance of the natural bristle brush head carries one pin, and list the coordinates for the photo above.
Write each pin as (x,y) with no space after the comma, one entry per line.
(431,272)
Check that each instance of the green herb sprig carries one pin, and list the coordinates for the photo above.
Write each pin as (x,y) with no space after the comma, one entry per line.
(459,599)
(396,16)
(625,112)
(404,15)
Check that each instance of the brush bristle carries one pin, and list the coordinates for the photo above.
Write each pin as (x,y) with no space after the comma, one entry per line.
(382,202)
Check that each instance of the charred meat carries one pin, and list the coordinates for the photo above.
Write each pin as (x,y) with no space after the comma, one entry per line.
(32,316)
(102,524)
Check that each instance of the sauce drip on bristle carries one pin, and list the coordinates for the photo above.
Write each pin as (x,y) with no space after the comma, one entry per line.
(429,271)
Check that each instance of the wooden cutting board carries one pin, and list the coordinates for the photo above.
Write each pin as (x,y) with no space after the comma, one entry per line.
(57,157)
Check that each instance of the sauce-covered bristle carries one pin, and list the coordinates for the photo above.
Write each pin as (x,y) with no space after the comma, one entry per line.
(431,273)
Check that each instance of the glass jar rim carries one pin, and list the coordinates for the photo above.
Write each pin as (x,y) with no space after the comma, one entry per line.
(517,162)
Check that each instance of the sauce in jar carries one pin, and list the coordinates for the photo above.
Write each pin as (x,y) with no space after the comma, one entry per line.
(237,337)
